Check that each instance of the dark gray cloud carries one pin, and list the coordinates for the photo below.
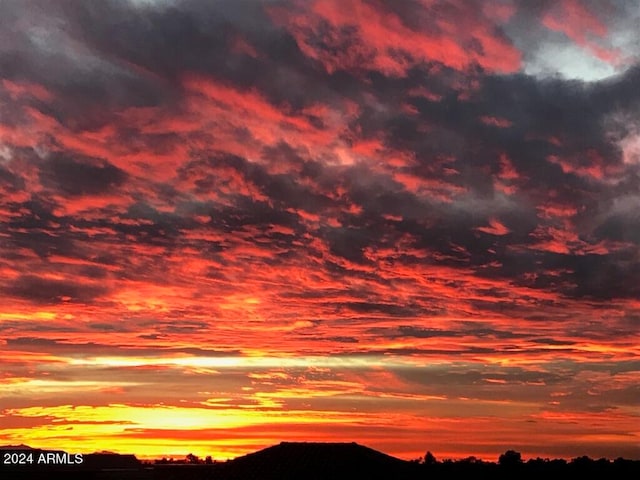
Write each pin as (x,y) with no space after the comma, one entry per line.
(49,291)
(10,181)
(60,346)
(81,175)
(466,375)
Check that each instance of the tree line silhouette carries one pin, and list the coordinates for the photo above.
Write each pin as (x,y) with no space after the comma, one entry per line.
(510,463)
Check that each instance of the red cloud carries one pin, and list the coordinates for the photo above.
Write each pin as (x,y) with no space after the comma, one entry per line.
(381,40)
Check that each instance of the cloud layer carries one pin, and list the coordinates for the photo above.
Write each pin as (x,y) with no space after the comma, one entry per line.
(233,223)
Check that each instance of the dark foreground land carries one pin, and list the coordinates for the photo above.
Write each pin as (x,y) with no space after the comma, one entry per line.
(309,461)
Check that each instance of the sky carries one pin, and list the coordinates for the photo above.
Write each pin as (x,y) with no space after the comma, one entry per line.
(412,224)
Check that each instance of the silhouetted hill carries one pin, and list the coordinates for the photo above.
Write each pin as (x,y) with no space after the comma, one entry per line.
(316,461)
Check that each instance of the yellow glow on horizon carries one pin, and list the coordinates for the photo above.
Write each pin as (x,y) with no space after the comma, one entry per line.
(151,429)
(246,361)
(611,349)
(166,416)
(27,386)
(39,315)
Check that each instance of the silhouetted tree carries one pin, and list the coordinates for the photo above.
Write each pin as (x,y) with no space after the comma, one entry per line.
(430,459)
(193,459)
(583,461)
(510,458)
(471,459)
(208,460)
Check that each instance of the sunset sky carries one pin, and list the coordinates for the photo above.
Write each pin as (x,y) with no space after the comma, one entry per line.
(412,224)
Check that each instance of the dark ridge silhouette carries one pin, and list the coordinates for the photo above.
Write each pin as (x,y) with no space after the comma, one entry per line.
(309,461)
(316,461)
(111,461)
